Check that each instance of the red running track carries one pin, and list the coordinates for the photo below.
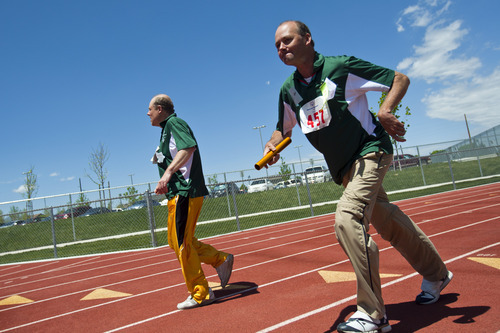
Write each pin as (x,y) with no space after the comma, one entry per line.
(287,277)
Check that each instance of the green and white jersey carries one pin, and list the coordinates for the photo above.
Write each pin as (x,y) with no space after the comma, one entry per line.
(332,109)
(188,180)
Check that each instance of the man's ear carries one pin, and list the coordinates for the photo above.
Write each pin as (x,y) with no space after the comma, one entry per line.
(308,38)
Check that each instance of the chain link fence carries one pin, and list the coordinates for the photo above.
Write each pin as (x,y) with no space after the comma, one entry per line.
(131,217)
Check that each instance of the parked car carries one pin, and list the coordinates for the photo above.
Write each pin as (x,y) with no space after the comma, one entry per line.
(141,204)
(260,185)
(95,211)
(407,160)
(220,190)
(7,224)
(291,182)
(318,174)
(287,183)
(280,185)
(77,211)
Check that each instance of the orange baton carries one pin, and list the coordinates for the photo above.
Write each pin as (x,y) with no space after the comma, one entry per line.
(282,145)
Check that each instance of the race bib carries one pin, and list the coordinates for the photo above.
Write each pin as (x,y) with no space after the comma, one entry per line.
(315,114)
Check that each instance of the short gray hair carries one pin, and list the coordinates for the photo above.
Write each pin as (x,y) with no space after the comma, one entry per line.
(165,102)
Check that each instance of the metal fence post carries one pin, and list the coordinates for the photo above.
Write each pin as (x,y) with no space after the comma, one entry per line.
(227,195)
(236,211)
(72,219)
(296,185)
(421,167)
(451,171)
(151,218)
(479,162)
(53,231)
(309,194)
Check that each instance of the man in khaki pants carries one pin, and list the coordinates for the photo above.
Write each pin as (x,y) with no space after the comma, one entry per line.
(326,97)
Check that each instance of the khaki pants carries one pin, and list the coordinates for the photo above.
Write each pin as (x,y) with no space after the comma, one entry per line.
(183,213)
(364,201)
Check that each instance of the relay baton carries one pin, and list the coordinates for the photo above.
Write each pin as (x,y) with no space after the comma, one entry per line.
(282,145)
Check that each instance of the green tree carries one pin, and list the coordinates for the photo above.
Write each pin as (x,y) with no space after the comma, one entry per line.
(15,213)
(397,113)
(132,195)
(2,220)
(212,180)
(285,170)
(82,200)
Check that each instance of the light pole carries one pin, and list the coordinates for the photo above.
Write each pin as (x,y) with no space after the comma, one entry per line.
(300,158)
(260,133)
(261,142)
(131,179)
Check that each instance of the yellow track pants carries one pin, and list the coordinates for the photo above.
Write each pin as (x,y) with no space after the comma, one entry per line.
(183,213)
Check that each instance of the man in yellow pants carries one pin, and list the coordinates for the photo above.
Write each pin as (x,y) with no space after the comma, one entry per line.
(183,183)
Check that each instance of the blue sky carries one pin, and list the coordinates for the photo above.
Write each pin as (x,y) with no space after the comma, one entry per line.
(74,74)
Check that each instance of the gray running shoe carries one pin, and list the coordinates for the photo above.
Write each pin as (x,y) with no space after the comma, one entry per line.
(225,269)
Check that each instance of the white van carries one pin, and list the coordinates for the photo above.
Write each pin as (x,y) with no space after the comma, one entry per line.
(318,174)
(260,185)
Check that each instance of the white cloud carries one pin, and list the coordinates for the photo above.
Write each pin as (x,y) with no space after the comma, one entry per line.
(433,60)
(411,9)
(54,174)
(455,84)
(399,26)
(67,179)
(422,14)
(21,189)
(478,98)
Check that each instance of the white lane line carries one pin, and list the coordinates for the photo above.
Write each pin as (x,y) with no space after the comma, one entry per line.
(315,270)
(352,297)
(241,268)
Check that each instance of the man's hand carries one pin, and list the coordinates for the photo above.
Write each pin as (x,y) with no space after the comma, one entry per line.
(162,186)
(275,140)
(270,147)
(392,125)
(179,160)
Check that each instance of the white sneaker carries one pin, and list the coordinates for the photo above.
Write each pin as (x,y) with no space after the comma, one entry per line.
(361,322)
(431,290)
(225,269)
(190,303)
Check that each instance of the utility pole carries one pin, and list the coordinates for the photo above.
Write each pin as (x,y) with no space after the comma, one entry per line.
(262,142)
(260,133)
(300,158)
(468,132)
